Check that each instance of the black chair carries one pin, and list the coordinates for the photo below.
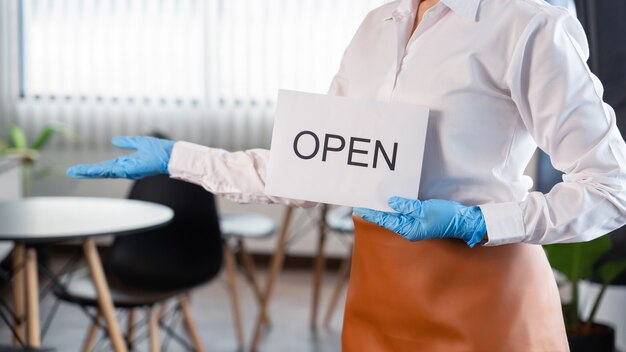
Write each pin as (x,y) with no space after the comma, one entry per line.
(147,269)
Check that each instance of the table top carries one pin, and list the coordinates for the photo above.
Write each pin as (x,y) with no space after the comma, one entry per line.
(44,219)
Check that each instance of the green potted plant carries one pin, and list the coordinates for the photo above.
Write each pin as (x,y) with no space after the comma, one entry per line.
(580,261)
(17,146)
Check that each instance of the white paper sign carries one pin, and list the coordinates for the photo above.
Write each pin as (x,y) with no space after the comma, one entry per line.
(345,151)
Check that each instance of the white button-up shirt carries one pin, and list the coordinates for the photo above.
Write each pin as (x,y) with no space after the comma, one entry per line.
(501,77)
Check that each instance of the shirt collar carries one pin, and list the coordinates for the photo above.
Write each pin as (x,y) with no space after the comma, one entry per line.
(464,8)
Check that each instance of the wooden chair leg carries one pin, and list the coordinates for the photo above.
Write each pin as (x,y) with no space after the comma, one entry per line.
(105,302)
(190,325)
(130,328)
(248,264)
(154,329)
(162,310)
(32,300)
(231,277)
(91,334)
(276,265)
(344,269)
(320,262)
(19,291)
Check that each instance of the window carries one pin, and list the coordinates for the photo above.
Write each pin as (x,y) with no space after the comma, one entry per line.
(237,51)
(206,71)
(113,49)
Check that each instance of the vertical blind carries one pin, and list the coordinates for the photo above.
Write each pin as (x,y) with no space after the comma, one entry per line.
(113,49)
(207,71)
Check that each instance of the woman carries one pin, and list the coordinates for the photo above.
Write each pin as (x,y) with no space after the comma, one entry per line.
(501,77)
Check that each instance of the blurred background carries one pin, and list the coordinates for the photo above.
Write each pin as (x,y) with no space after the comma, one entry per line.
(208,72)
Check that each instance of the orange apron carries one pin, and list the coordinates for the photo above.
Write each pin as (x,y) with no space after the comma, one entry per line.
(441,295)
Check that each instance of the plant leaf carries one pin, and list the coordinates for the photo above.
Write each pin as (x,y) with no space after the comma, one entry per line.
(610,270)
(44,137)
(18,137)
(576,260)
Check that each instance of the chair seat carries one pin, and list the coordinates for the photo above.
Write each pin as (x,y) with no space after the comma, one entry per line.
(340,220)
(246,225)
(81,290)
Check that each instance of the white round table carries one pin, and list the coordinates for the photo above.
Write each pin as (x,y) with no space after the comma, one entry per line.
(55,219)
(38,220)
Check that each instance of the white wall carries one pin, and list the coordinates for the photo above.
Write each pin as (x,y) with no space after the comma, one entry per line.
(10,179)
(10,188)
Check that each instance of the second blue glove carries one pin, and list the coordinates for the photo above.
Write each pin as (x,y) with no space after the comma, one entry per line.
(420,220)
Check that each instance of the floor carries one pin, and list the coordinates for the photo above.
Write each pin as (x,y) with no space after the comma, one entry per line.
(289,314)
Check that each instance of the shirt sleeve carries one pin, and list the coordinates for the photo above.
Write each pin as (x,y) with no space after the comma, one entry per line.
(560,103)
(237,176)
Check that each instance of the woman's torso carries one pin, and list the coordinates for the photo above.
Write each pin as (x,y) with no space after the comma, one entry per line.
(440,295)
(477,147)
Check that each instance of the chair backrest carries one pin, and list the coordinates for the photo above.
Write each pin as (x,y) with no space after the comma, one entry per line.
(182,254)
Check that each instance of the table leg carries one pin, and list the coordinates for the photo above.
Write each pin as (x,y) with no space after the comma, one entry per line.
(320,262)
(32,299)
(276,265)
(19,292)
(105,302)
(231,278)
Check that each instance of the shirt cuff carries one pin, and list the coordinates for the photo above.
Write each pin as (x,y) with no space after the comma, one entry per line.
(184,161)
(505,223)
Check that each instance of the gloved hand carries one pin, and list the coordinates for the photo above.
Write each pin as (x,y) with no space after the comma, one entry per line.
(151,158)
(420,220)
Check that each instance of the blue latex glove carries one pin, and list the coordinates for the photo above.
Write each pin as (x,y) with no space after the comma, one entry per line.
(421,220)
(150,158)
